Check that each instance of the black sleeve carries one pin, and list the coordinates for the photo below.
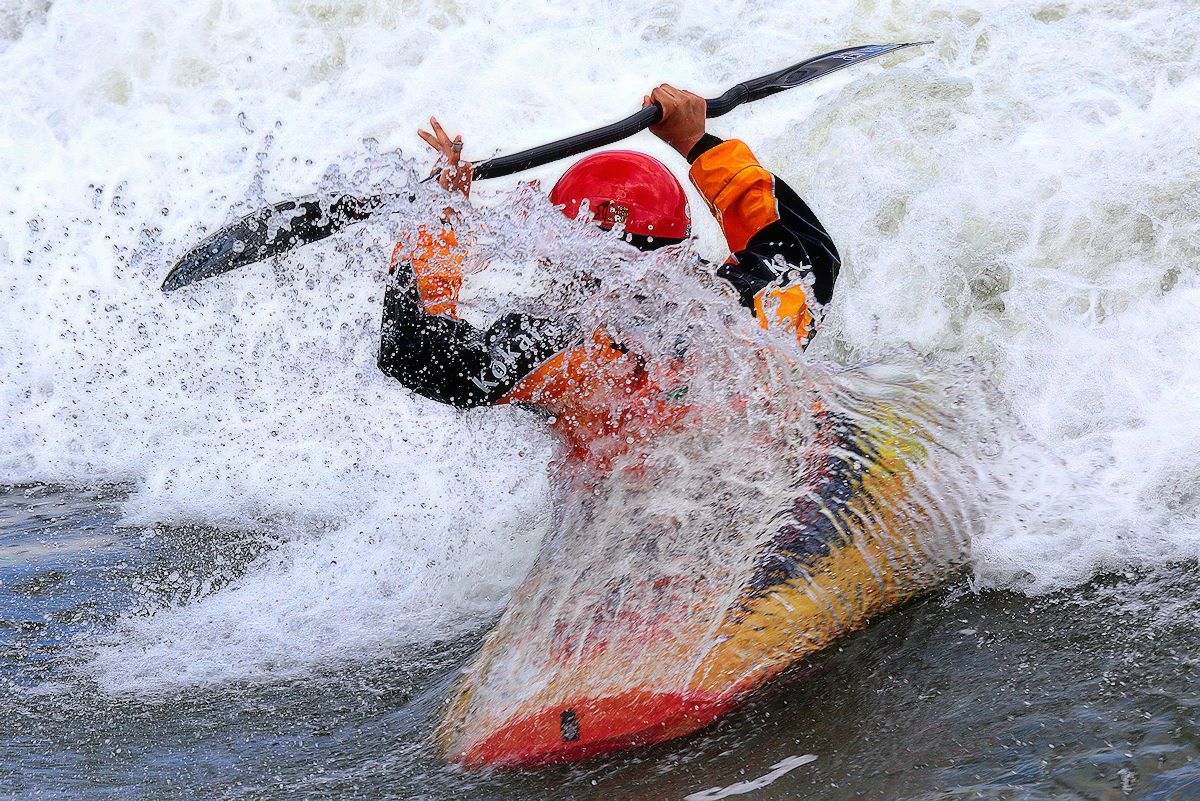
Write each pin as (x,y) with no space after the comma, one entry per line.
(706,143)
(450,360)
(798,238)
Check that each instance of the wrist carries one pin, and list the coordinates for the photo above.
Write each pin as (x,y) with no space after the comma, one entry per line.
(684,146)
(706,143)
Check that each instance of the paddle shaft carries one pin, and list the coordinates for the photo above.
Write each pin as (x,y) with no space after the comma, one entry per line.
(289,224)
(745,92)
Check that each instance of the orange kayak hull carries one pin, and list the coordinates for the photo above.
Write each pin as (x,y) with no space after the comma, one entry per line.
(595,727)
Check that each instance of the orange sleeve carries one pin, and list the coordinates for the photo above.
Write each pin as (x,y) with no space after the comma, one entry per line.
(785,307)
(437,262)
(739,191)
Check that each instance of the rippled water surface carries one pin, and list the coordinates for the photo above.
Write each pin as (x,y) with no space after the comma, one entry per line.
(1090,693)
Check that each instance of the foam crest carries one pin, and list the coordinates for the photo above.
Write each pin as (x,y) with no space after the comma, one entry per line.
(1020,197)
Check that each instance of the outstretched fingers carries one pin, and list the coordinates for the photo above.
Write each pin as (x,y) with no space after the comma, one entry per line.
(452,172)
(439,140)
(442,136)
(429,139)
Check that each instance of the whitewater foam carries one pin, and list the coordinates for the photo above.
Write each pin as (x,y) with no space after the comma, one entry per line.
(1023,194)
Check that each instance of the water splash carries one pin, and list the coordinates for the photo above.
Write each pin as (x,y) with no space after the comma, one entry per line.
(788,502)
(1023,196)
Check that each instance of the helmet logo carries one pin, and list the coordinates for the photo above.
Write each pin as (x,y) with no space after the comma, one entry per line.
(612,214)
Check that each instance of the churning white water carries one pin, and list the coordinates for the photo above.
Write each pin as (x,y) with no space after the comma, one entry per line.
(1023,194)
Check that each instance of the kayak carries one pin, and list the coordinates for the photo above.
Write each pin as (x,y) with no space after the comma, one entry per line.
(640,623)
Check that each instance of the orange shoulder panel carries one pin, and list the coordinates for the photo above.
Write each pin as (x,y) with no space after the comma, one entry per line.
(437,262)
(739,191)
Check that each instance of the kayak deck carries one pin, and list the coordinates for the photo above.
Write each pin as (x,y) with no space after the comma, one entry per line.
(599,652)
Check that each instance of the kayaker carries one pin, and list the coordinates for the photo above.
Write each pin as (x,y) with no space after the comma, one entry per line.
(599,395)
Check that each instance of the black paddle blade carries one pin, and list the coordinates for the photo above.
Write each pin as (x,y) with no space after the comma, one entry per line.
(746,92)
(797,74)
(275,229)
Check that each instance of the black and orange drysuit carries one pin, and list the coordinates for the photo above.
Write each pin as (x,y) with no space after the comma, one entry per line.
(598,394)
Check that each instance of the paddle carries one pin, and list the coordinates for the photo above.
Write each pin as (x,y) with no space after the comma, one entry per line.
(286,225)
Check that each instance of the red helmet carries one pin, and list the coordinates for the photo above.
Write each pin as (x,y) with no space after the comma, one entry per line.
(621,186)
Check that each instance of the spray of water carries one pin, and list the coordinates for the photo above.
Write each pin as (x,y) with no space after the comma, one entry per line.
(787,501)
(1017,210)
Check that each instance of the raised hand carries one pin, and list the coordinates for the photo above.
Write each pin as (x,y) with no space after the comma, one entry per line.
(453,174)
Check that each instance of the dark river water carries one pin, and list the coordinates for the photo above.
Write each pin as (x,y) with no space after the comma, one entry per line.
(1092,693)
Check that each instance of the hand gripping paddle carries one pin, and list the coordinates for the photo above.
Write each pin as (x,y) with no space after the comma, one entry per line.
(288,224)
